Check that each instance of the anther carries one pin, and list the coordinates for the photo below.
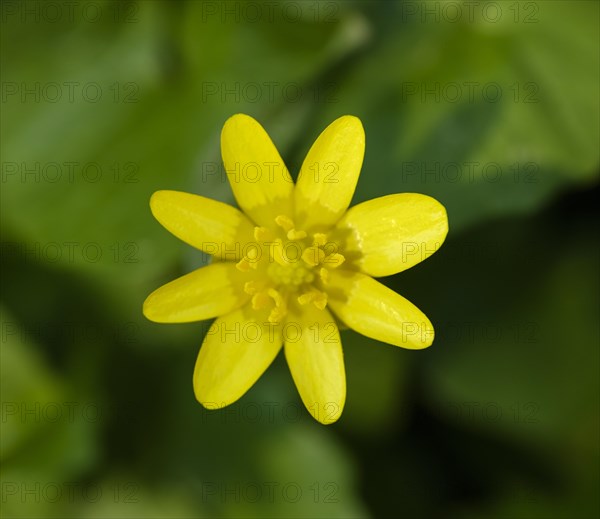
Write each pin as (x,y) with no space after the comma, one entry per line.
(262,234)
(313,256)
(334,260)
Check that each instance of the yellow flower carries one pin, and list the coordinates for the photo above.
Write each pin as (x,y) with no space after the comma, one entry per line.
(291,261)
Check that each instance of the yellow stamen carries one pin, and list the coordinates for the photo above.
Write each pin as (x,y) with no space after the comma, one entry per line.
(280,310)
(243,265)
(306,298)
(293,235)
(276,316)
(252,253)
(262,234)
(313,256)
(334,260)
(318,298)
(324,275)
(252,287)
(320,301)
(276,296)
(286,223)
(319,239)
(260,300)
(249,261)
(278,254)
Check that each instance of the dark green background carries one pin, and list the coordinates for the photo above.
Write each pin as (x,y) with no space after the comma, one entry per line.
(103,103)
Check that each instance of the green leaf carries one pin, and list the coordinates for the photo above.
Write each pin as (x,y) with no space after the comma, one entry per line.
(491,118)
(122,110)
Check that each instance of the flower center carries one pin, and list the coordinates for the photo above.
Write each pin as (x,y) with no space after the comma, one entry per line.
(292,275)
(294,268)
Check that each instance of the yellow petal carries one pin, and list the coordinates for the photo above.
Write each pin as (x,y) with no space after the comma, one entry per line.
(372,309)
(237,350)
(329,173)
(210,291)
(392,233)
(213,227)
(313,351)
(258,176)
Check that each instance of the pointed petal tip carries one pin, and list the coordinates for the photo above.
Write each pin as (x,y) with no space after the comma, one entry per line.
(350,119)
(160,198)
(155,198)
(329,413)
(352,122)
(237,119)
(435,206)
(209,399)
(206,395)
(149,309)
(430,334)
(418,335)
(239,116)
(151,313)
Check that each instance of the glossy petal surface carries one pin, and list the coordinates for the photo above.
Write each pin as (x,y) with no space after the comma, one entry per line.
(213,227)
(392,233)
(202,294)
(313,350)
(329,173)
(260,181)
(371,308)
(236,351)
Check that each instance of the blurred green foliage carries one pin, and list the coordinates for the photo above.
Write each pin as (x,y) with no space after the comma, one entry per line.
(494,111)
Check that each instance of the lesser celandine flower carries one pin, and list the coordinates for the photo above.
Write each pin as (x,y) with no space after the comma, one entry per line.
(291,261)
